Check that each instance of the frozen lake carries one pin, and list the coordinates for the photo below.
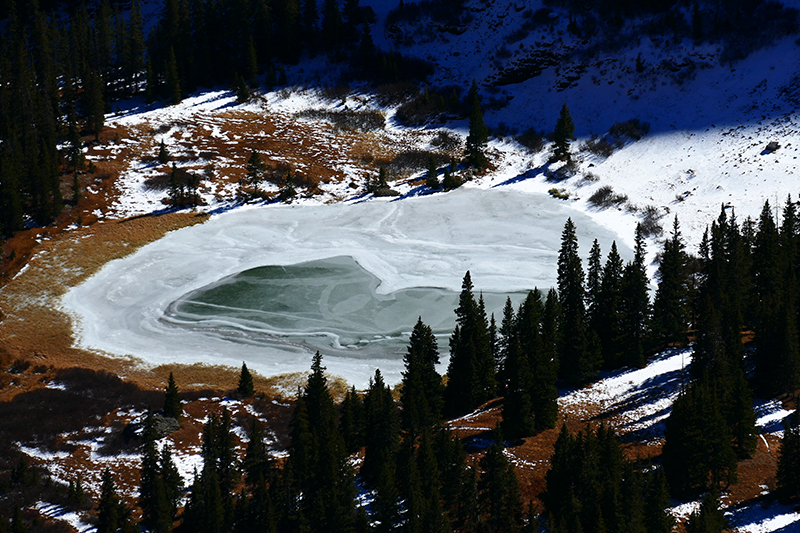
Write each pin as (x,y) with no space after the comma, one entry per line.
(270,285)
(329,304)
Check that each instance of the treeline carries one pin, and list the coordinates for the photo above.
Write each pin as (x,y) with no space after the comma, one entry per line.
(414,475)
(61,68)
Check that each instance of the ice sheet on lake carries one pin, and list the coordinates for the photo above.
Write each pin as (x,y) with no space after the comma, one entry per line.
(508,240)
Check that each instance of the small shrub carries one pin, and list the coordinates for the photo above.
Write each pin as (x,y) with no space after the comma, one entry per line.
(651,226)
(590,177)
(598,146)
(634,129)
(531,140)
(364,121)
(604,197)
(446,141)
(561,194)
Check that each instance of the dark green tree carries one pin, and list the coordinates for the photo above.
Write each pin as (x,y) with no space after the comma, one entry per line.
(432,176)
(670,306)
(789,461)
(351,421)
(254,171)
(323,482)
(710,518)
(635,305)
(499,492)
(578,360)
(563,134)
(478,135)
(471,370)
(245,388)
(172,399)
(698,453)
(422,393)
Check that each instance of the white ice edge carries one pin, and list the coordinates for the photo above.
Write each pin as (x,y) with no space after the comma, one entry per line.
(508,240)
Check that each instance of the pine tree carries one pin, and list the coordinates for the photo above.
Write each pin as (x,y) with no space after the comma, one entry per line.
(172,400)
(635,305)
(112,515)
(422,393)
(173,78)
(245,388)
(382,439)
(710,518)
(789,460)
(499,492)
(323,481)
(698,452)
(593,278)
(670,304)
(518,415)
(471,369)
(255,171)
(562,135)
(432,179)
(351,421)
(478,135)
(577,360)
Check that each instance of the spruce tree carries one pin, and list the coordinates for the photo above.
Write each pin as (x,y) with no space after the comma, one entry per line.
(323,480)
(163,154)
(172,399)
(422,393)
(245,388)
(789,461)
(517,413)
(478,135)
(254,171)
(563,135)
(471,369)
(351,421)
(670,304)
(635,304)
(432,179)
(499,492)
(710,518)
(577,359)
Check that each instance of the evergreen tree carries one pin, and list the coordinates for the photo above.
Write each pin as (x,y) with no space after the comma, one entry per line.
(245,388)
(635,305)
(351,421)
(172,399)
(478,132)
(577,359)
(471,369)
(710,518)
(255,171)
(432,177)
(324,487)
(112,514)
(518,415)
(789,460)
(698,452)
(593,278)
(382,439)
(422,393)
(173,78)
(257,464)
(670,304)
(288,191)
(499,492)
(562,135)
(608,318)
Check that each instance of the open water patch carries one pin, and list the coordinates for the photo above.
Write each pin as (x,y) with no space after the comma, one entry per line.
(330,304)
